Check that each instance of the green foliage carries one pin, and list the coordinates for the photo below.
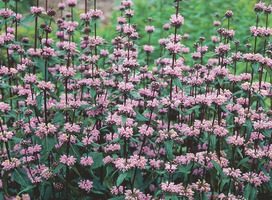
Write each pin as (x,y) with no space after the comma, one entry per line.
(199,17)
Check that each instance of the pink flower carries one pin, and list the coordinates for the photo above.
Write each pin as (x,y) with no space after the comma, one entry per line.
(67,72)
(6,135)
(259,7)
(86,161)
(129,13)
(149,29)
(220,131)
(4,107)
(36,10)
(71,3)
(122,164)
(108,159)
(127,3)
(217,23)
(146,130)
(215,39)
(252,178)
(6,13)
(235,140)
(260,31)
(104,53)
(61,6)
(174,48)
(125,132)
(222,48)
(166,27)
(137,161)
(176,20)
(201,186)
(10,164)
(121,20)
(95,14)
(85,185)
(70,160)
(72,128)
(46,85)
(235,173)
(136,194)
(148,48)
(125,87)
(117,190)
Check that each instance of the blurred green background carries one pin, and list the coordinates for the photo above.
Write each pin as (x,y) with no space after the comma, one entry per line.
(199,16)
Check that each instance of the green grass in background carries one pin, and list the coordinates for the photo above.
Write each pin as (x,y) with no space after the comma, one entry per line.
(199,16)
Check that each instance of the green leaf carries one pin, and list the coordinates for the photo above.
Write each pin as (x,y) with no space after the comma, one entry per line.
(93,93)
(97,158)
(218,168)
(177,82)
(56,170)
(183,169)
(84,106)
(124,119)
(143,185)
(205,197)
(39,63)
(220,81)
(224,182)
(253,193)
(225,109)
(243,161)
(20,176)
(26,189)
(39,100)
(141,118)
(29,18)
(75,170)
(213,142)
(5,182)
(44,16)
(169,148)
(247,191)
(59,117)
(48,144)
(136,95)
(248,128)
(237,93)
(255,67)
(4,86)
(109,170)
(118,198)
(171,197)
(121,178)
(195,108)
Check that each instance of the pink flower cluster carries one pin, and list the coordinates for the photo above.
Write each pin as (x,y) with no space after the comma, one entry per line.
(129,117)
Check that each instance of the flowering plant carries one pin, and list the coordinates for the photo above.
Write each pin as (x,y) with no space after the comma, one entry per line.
(89,119)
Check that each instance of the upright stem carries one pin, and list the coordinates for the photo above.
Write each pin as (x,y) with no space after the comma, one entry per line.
(44,93)
(86,6)
(8,61)
(36,33)
(6,143)
(95,35)
(61,11)
(16,22)
(264,50)
(173,63)
(67,167)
